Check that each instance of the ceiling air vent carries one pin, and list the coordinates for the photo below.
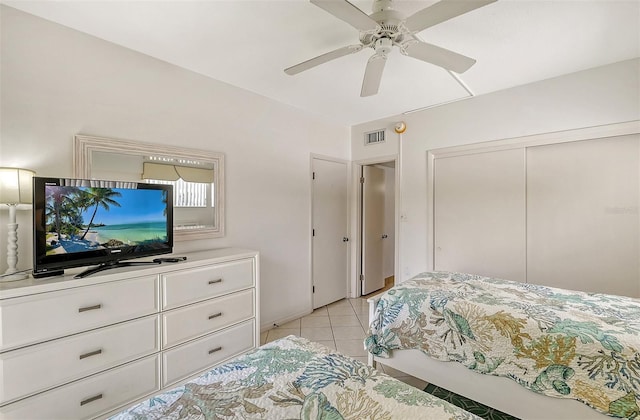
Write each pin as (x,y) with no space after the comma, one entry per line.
(374,137)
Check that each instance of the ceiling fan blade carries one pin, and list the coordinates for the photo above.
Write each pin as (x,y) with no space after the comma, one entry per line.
(438,56)
(347,12)
(442,11)
(373,75)
(332,55)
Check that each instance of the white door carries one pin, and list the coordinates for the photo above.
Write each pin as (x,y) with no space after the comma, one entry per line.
(372,228)
(330,231)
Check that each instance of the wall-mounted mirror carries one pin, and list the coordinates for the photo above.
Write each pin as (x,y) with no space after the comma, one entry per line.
(197,177)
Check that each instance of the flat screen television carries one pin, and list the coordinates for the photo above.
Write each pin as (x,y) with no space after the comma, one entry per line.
(82,222)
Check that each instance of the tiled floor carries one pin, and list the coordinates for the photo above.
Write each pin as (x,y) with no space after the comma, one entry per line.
(340,326)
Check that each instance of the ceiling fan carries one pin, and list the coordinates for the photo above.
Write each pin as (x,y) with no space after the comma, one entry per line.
(387,27)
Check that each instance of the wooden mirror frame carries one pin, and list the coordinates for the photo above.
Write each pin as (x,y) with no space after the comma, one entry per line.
(85,146)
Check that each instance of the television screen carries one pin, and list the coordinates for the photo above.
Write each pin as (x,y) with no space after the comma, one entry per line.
(85,222)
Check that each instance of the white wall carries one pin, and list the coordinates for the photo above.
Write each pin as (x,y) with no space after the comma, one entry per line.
(598,96)
(57,82)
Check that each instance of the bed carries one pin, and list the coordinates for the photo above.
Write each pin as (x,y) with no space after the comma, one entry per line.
(294,378)
(511,345)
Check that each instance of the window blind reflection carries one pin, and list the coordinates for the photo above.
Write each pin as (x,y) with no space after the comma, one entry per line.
(186,194)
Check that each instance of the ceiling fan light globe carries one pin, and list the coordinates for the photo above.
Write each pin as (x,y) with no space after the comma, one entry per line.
(383,46)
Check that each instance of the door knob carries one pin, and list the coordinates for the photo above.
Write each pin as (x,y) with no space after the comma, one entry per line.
(345,239)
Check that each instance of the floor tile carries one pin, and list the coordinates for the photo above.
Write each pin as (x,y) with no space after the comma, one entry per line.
(292,324)
(348,333)
(316,322)
(354,348)
(317,334)
(276,333)
(359,303)
(362,312)
(341,310)
(344,303)
(345,321)
(322,311)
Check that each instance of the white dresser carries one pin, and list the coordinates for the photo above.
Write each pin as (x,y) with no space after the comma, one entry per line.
(83,348)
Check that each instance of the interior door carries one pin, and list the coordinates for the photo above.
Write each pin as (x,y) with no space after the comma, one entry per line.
(330,231)
(373,203)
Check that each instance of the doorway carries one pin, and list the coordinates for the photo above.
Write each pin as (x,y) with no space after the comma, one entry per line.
(377,221)
(330,231)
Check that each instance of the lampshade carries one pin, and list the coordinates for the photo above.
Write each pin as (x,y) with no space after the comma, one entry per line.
(15,185)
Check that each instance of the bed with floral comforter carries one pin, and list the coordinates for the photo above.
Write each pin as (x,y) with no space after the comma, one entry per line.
(293,378)
(556,342)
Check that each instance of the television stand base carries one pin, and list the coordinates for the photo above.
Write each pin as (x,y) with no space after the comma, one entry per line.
(110,265)
(48,273)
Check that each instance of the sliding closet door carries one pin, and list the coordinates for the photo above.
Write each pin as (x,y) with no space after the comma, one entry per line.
(479,214)
(582,215)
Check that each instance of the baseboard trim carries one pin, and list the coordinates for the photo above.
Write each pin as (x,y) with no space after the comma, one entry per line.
(270,325)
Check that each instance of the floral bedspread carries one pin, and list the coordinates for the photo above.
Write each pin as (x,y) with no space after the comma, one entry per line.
(552,341)
(293,378)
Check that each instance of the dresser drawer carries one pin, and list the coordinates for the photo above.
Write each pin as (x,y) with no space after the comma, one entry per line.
(37,368)
(36,318)
(197,284)
(90,397)
(193,321)
(206,352)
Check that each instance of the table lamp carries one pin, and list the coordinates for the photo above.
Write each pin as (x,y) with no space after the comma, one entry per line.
(15,190)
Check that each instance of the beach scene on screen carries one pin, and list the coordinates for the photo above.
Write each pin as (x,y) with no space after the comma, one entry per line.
(80,219)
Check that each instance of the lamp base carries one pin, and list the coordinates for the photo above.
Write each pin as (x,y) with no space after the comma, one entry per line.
(12,273)
(13,277)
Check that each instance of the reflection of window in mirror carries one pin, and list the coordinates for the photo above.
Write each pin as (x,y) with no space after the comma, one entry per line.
(193,187)
(197,178)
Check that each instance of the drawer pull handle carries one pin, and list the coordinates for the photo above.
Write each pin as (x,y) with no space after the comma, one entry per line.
(215,281)
(215,315)
(91,353)
(89,308)
(215,350)
(91,399)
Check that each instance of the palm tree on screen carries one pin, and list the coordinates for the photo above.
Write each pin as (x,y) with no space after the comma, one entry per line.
(57,201)
(165,201)
(101,197)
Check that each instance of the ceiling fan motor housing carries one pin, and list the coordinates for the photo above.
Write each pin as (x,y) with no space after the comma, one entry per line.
(382,5)
(388,20)
(385,14)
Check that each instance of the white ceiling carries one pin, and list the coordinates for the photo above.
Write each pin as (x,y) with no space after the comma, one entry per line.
(249,43)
